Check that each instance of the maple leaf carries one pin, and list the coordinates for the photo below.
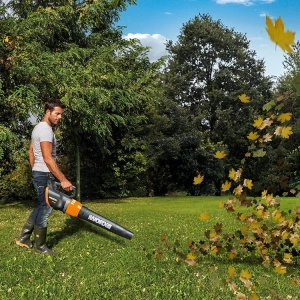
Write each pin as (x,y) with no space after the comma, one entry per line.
(259,153)
(238,190)
(286,132)
(232,173)
(191,256)
(280,37)
(226,186)
(204,216)
(245,274)
(267,137)
(284,117)
(280,270)
(265,123)
(198,179)
(253,136)
(220,154)
(248,183)
(258,122)
(253,296)
(231,271)
(244,98)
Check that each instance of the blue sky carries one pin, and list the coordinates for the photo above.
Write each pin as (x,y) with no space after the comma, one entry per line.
(155,21)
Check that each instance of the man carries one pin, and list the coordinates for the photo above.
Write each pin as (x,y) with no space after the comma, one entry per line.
(42,158)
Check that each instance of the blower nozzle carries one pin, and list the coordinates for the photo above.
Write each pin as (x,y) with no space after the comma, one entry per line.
(72,207)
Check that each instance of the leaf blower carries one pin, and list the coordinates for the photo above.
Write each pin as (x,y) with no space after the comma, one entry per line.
(60,201)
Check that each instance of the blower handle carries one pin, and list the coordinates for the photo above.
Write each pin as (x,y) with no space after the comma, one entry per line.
(56,184)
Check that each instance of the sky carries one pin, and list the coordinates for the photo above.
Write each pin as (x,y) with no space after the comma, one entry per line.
(154,22)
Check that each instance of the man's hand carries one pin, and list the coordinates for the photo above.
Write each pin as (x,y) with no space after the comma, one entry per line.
(66,185)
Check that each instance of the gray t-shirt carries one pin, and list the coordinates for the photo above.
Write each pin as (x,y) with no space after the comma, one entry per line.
(42,132)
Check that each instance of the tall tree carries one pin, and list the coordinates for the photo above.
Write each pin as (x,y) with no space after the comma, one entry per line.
(209,67)
(72,50)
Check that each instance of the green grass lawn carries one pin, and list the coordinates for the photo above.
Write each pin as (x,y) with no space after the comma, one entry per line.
(95,264)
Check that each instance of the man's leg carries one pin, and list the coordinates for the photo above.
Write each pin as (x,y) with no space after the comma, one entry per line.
(41,180)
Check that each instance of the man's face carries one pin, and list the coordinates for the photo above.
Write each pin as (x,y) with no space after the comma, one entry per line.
(55,115)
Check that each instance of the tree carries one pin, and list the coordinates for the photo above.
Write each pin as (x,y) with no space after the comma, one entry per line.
(209,67)
(72,50)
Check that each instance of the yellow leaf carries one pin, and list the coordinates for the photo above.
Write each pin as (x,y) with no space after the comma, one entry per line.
(221,204)
(226,186)
(253,136)
(232,173)
(244,229)
(242,217)
(280,270)
(231,255)
(238,190)
(191,256)
(204,216)
(245,274)
(6,40)
(280,37)
(258,122)
(231,271)
(284,117)
(253,296)
(220,154)
(212,234)
(294,241)
(286,132)
(244,98)
(198,179)
(214,251)
(248,183)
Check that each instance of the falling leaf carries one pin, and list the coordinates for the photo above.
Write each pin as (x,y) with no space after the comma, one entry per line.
(226,186)
(265,123)
(204,216)
(244,98)
(284,117)
(220,154)
(258,122)
(267,137)
(253,136)
(248,183)
(280,37)
(232,173)
(198,179)
(286,132)
(259,153)
(238,190)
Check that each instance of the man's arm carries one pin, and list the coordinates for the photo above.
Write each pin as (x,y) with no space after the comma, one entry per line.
(46,148)
(31,155)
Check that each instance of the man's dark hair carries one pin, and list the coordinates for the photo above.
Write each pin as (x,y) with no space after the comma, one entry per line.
(51,103)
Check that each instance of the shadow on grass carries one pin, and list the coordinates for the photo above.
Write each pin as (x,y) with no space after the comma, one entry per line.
(73,225)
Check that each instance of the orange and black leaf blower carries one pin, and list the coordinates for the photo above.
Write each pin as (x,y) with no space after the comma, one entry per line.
(72,207)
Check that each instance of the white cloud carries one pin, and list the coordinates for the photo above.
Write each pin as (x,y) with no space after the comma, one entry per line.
(156,42)
(244,2)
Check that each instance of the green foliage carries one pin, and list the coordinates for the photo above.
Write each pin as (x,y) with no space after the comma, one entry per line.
(17,184)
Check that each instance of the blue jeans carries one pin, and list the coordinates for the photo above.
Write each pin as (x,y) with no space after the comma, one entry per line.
(42,211)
